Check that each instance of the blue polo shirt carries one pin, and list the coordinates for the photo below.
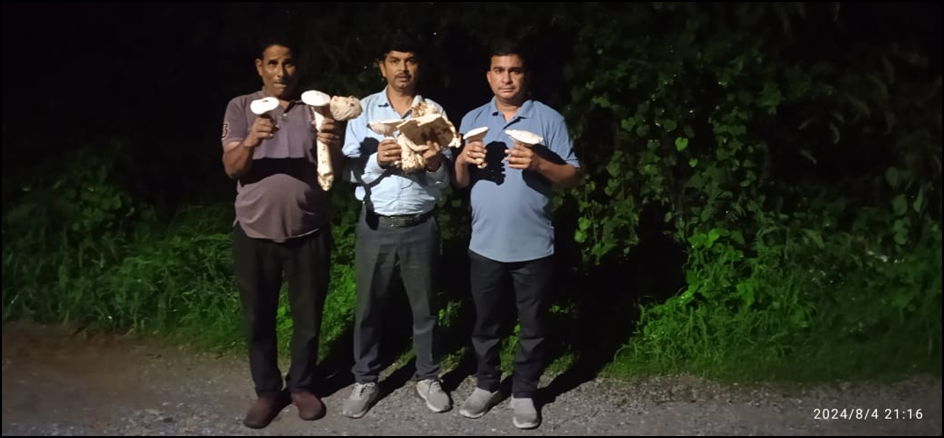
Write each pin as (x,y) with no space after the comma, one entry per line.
(511,221)
(391,191)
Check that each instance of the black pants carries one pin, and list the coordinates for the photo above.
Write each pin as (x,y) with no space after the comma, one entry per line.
(378,251)
(493,285)
(259,265)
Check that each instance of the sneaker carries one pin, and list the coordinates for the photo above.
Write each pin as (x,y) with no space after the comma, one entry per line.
(525,415)
(309,406)
(430,390)
(265,409)
(363,396)
(478,403)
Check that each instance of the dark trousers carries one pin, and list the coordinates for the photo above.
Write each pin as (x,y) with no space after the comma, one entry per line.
(494,284)
(378,251)
(259,264)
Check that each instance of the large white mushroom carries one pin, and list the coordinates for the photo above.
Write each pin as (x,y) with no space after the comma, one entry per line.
(263,106)
(340,109)
(386,128)
(426,123)
(477,134)
(417,131)
(526,138)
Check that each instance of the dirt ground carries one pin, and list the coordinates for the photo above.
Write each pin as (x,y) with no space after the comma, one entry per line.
(59,381)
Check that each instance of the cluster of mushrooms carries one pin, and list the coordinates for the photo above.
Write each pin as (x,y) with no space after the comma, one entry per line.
(320,104)
(426,128)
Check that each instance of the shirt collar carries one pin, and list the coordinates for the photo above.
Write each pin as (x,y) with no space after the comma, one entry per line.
(261,94)
(524,111)
(385,102)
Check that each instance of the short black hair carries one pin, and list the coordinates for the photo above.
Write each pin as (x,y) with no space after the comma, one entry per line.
(278,39)
(401,42)
(508,47)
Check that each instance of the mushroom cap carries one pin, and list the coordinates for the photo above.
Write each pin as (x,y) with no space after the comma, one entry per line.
(476,134)
(527,137)
(264,105)
(345,108)
(430,127)
(384,127)
(315,98)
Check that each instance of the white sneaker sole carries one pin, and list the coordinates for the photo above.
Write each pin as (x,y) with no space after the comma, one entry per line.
(430,405)
(524,425)
(468,414)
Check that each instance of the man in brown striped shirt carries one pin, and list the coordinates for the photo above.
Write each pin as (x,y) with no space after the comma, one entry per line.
(281,226)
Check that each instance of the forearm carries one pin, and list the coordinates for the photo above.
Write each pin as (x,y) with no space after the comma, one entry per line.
(237,160)
(563,175)
(462,174)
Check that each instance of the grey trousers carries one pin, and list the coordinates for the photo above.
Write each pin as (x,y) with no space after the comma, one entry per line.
(379,250)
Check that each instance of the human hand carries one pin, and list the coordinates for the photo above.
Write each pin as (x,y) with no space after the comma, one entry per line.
(521,157)
(473,153)
(388,152)
(432,155)
(262,128)
(330,133)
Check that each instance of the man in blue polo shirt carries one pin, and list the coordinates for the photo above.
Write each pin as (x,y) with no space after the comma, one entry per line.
(396,229)
(512,235)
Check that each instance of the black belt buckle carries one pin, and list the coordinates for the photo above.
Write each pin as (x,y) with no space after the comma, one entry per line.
(403,221)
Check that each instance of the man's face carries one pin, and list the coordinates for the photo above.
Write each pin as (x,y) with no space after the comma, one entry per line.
(506,76)
(278,71)
(401,70)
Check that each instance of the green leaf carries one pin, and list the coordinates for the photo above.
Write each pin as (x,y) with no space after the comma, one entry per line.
(681,143)
(891,175)
(919,202)
(835,131)
(583,223)
(899,205)
(713,235)
(601,101)
(669,125)
(693,162)
(580,236)
(814,236)
(806,154)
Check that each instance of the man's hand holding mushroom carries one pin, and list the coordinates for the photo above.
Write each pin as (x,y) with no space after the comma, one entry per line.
(522,157)
(262,128)
(330,134)
(433,155)
(473,153)
(388,152)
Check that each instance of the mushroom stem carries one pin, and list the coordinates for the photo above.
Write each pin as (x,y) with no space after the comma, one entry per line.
(318,102)
(477,134)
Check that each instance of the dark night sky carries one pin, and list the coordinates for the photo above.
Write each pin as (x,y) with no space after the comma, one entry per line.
(81,71)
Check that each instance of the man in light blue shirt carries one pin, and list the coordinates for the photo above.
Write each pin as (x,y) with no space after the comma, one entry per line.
(512,235)
(396,229)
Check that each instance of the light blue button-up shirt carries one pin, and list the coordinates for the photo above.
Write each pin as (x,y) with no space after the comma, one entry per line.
(390,191)
(510,217)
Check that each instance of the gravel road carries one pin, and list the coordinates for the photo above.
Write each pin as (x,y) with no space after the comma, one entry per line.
(57,382)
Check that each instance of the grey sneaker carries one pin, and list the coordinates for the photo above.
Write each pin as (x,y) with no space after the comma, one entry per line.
(430,390)
(525,415)
(363,396)
(478,403)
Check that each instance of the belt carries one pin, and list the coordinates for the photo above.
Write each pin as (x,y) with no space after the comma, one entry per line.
(399,220)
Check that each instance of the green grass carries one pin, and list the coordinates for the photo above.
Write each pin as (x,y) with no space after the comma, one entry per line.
(800,304)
